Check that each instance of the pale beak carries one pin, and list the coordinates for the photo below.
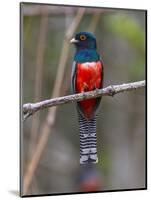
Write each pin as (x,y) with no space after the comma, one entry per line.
(73,40)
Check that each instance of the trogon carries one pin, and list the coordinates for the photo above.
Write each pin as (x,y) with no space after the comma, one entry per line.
(87,75)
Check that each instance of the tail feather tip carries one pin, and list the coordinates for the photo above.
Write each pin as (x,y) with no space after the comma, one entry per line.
(87,159)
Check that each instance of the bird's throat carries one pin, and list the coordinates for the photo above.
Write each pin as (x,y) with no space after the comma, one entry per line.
(86,55)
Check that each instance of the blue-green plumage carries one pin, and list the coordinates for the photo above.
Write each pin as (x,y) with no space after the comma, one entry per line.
(86,55)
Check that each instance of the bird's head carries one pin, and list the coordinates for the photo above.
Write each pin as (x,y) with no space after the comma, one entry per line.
(84,40)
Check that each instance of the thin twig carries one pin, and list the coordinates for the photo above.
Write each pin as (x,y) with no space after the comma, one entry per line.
(108,91)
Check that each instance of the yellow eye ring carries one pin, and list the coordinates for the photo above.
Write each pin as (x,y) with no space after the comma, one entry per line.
(82,37)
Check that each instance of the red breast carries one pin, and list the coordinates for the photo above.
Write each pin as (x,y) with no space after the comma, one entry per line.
(88,77)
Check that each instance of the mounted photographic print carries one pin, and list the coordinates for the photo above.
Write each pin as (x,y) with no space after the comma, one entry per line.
(83,99)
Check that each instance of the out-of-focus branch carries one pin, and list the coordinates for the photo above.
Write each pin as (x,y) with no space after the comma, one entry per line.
(94,21)
(43,29)
(50,119)
(108,91)
(57,10)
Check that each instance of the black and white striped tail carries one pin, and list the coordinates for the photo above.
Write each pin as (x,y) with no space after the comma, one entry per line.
(88,143)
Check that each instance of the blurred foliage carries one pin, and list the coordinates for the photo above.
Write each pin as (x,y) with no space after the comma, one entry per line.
(128,28)
(131,30)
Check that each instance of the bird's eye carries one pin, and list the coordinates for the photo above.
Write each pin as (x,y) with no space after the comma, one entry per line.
(82,37)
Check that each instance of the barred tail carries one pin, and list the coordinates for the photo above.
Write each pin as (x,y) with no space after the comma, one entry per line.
(88,147)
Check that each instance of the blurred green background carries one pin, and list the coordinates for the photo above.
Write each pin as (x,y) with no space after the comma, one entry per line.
(50,139)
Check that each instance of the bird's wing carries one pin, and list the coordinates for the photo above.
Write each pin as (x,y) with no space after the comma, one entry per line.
(73,81)
(73,76)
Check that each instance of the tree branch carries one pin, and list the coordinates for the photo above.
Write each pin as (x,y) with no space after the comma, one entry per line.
(31,108)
